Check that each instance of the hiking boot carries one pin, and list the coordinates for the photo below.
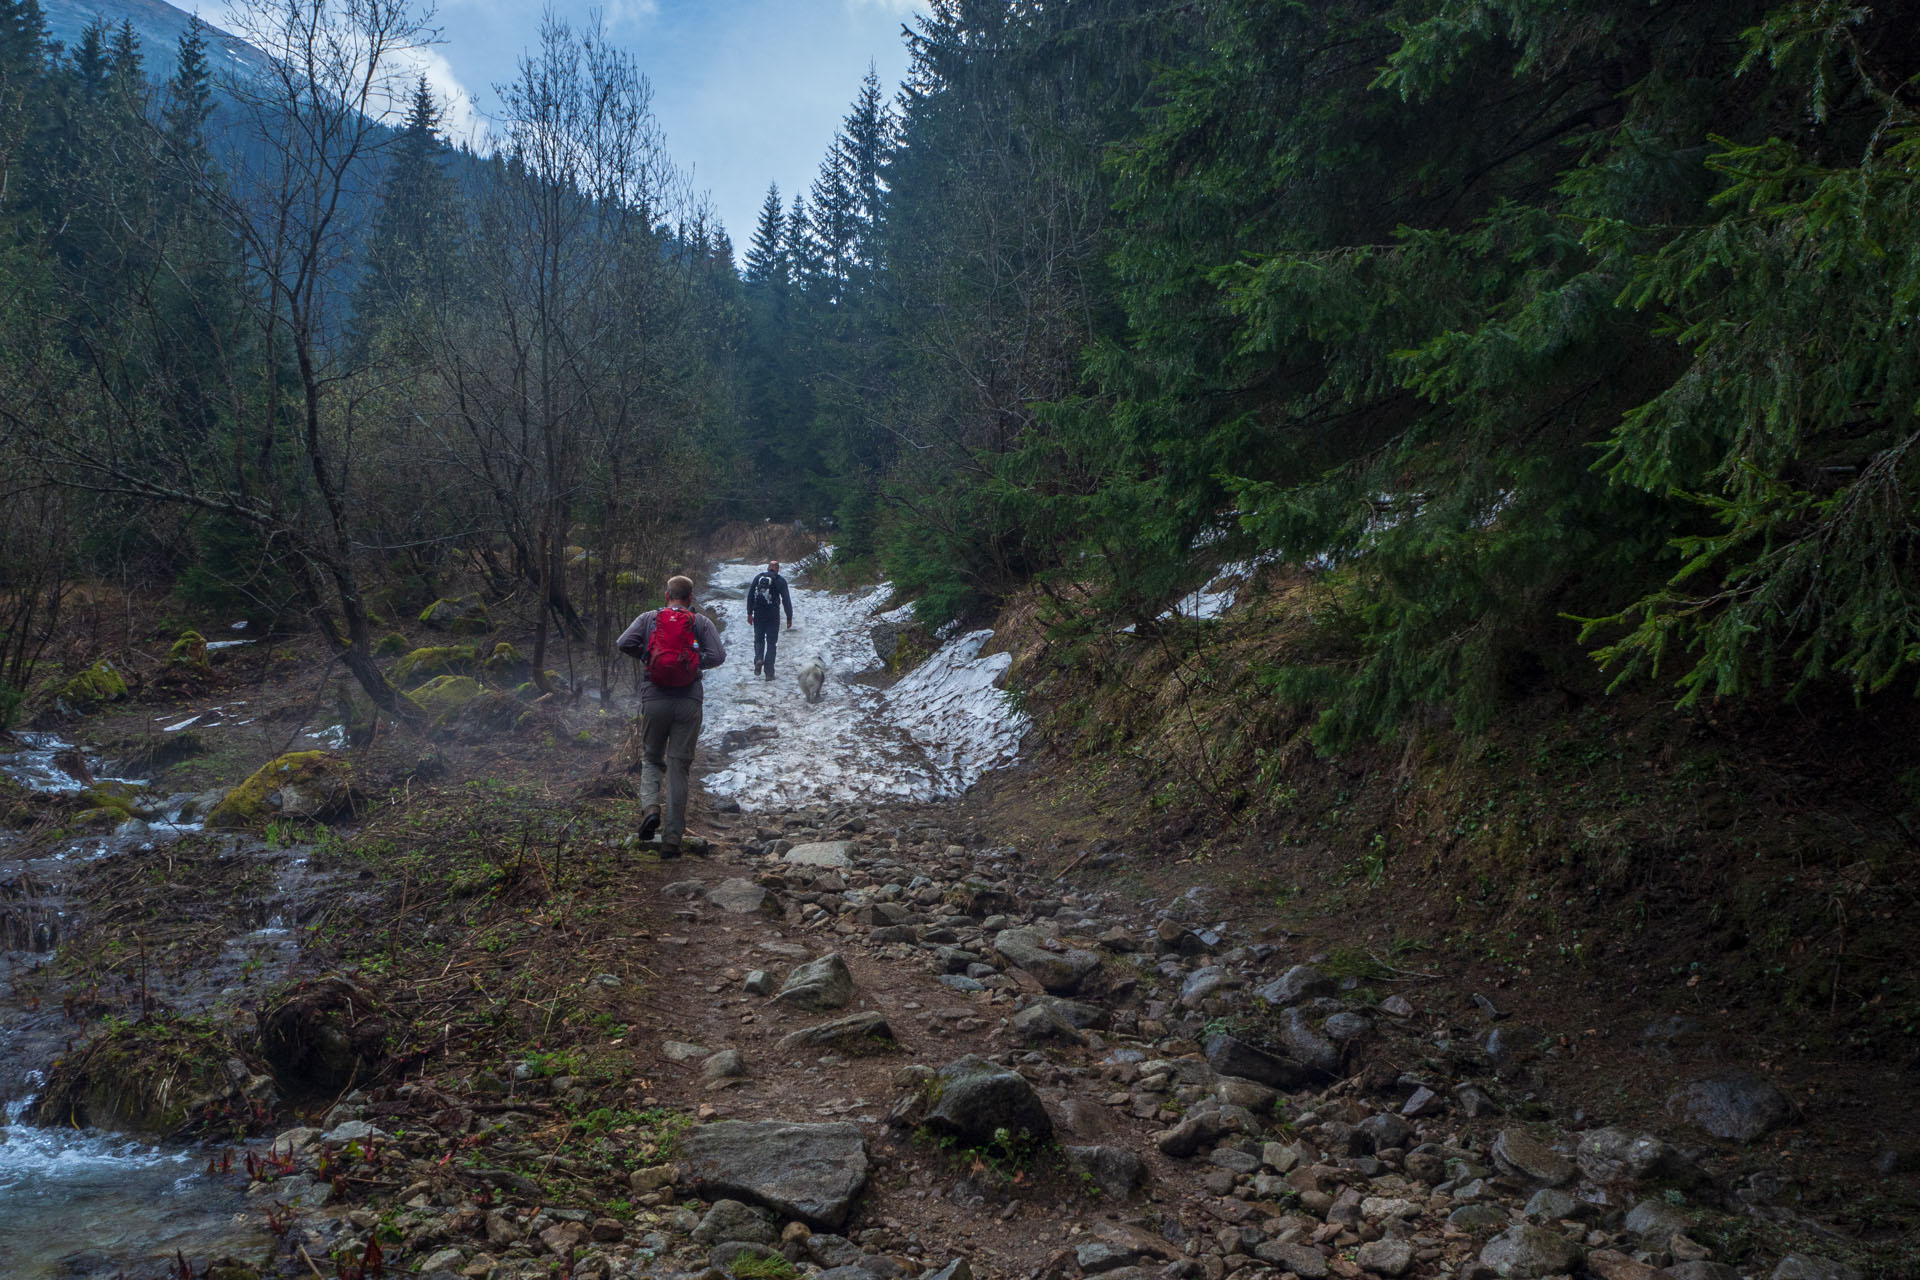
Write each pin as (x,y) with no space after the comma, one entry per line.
(649,824)
(668,851)
(769,673)
(756,668)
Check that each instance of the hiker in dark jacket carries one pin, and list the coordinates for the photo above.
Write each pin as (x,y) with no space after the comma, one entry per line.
(670,713)
(764,598)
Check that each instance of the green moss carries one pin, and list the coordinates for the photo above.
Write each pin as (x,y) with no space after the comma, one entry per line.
(424,664)
(100,818)
(301,784)
(445,696)
(98,684)
(391,643)
(629,580)
(158,1077)
(190,650)
(466,616)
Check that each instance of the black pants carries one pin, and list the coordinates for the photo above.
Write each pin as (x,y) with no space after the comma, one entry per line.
(766,638)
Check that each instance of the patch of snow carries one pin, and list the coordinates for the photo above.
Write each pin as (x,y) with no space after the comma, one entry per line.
(175,728)
(333,737)
(932,735)
(228,644)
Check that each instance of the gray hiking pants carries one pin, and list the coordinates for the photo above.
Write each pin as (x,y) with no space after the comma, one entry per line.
(669,729)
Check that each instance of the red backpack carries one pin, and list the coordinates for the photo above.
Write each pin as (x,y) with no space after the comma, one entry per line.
(673,651)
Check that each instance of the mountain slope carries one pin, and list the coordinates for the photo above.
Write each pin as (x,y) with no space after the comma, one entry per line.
(159,26)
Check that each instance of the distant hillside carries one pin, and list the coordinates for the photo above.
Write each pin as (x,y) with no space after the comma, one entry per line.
(159,26)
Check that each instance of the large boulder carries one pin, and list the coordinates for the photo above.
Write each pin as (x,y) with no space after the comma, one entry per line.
(1529,1252)
(422,665)
(1061,972)
(979,1103)
(92,688)
(836,855)
(1306,1045)
(313,785)
(818,985)
(811,1172)
(1614,1155)
(1525,1156)
(1298,984)
(855,1032)
(1738,1107)
(1231,1056)
(465,616)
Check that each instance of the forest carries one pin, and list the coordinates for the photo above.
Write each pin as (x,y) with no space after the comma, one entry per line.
(1564,344)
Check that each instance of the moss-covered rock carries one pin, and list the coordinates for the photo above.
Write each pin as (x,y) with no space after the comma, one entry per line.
(160,1077)
(93,688)
(323,1034)
(424,664)
(506,667)
(391,643)
(464,616)
(628,580)
(189,651)
(315,785)
(444,696)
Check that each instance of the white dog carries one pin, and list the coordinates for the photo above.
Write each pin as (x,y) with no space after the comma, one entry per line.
(811,677)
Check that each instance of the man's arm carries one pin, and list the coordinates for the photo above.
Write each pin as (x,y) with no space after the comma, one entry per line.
(787,598)
(712,652)
(633,641)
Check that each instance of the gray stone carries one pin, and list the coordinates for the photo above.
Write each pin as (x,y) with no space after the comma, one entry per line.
(977,1098)
(1343,1028)
(1384,1132)
(1655,1221)
(1303,1260)
(1078,1013)
(724,1065)
(955,1270)
(1476,1102)
(961,982)
(818,984)
(732,1220)
(1232,1056)
(1306,1045)
(1040,1024)
(1097,1256)
(1739,1108)
(811,1172)
(1203,1129)
(1117,1172)
(353,1131)
(1529,1252)
(1475,1218)
(1061,973)
(1396,1006)
(1236,1092)
(683,1050)
(1525,1156)
(740,897)
(1550,1204)
(1202,983)
(1233,1161)
(1614,1155)
(866,1027)
(1808,1266)
(759,983)
(1295,985)
(836,855)
(684,890)
(1422,1102)
(1385,1257)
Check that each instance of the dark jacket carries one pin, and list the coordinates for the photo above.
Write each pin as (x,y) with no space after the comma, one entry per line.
(777,588)
(633,643)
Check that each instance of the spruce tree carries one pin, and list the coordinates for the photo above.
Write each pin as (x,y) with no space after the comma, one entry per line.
(767,252)
(416,239)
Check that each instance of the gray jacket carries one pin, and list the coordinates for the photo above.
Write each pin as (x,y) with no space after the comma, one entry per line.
(633,643)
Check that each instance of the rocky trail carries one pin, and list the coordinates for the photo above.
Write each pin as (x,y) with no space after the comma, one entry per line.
(863,1035)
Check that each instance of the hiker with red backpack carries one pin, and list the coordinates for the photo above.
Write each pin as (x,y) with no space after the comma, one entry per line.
(674,645)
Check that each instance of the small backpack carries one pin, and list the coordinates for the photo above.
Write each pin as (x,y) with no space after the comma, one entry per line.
(673,651)
(763,593)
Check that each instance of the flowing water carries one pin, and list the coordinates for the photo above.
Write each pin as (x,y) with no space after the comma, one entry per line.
(78,1203)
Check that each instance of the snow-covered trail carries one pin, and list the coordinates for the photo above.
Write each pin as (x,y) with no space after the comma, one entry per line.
(932,735)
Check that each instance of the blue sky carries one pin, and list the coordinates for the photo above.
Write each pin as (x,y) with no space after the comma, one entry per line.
(748,91)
